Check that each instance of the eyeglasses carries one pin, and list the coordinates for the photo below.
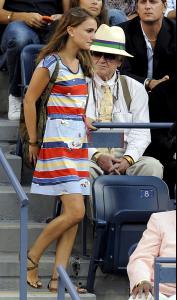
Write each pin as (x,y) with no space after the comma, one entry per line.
(107,56)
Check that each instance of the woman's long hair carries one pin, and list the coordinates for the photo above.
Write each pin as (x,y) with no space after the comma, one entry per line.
(74,17)
(102,18)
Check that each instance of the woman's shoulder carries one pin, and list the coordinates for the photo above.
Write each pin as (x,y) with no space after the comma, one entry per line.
(50,60)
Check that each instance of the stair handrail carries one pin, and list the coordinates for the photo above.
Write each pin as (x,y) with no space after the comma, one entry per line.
(65,283)
(24,202)
(118,125)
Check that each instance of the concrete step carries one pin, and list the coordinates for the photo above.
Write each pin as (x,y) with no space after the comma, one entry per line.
(9,266)
(10,237)
(41,295)
(106,288)
(3,92)
(16,164)
(41,207)
(8,130)
(8,147)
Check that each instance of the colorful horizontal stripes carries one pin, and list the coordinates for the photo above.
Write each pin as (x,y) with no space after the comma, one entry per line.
(59,162)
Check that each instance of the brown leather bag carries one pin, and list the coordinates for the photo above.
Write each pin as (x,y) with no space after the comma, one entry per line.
(41,109)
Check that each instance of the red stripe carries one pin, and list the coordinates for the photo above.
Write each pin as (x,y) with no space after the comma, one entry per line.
(60,173)
(73,90)
(63,152)
(65,110)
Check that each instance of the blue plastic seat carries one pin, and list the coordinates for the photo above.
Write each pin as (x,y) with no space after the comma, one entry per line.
(122,208)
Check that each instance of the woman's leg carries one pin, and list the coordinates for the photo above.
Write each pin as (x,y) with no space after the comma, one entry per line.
(73,213)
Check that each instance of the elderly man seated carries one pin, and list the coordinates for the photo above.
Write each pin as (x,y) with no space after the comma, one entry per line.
(158,240)
(115,98)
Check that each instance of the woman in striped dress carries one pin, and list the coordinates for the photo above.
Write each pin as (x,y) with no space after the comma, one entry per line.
(62,162)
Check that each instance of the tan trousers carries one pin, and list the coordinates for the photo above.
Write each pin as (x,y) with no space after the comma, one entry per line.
(161,297)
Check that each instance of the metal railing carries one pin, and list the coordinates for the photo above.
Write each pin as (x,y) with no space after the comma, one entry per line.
(65,283)
(23,224)
(133,125)
(165,272)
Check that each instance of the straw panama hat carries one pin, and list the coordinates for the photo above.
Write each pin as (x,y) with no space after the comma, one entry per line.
(110,40)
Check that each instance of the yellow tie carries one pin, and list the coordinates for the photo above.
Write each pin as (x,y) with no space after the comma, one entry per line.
(106,105)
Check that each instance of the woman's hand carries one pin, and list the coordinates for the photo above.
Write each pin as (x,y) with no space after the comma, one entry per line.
(89,122)
(144,287)
(33,154)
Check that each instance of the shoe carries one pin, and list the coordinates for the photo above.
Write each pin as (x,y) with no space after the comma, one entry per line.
(14,108)
(79,290)
(37,284)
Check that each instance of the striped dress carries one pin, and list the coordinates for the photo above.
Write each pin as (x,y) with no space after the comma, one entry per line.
(62,166)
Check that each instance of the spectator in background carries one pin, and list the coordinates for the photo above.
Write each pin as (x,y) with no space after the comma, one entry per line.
(127,8)
(22,24)
(159,240)
(96,7)
(108,102)
(151,38)
(171,9)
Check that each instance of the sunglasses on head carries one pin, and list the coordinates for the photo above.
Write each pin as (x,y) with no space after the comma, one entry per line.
(107,56)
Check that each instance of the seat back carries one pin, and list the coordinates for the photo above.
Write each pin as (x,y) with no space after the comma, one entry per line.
(126,203)
(112,194)
(28,63)
(165,272)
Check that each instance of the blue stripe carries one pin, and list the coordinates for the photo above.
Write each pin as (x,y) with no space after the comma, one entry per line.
(55,181)
(61,145)
(66,117)
(73,82)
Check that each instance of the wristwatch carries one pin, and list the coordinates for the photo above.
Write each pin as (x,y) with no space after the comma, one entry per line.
(96,156)
(129,159)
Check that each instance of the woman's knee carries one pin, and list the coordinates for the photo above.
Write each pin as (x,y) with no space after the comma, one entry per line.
(74,207)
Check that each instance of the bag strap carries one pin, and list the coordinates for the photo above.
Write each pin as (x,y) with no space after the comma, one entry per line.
(126,91)
(46,94)
(55,73)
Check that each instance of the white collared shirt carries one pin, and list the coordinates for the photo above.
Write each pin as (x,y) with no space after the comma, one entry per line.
(150,55)
(136,140)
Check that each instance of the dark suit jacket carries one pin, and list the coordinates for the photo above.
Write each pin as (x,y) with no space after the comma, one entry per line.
(164,52)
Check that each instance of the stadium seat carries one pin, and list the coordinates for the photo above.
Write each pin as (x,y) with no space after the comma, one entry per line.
(122,208)
(165,272)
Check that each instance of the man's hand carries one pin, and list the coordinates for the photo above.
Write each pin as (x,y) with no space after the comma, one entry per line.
(120,167)
(144,287)
(153,83)
(34,20)
(106,162)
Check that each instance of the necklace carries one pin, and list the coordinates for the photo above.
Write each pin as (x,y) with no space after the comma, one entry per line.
(152,40)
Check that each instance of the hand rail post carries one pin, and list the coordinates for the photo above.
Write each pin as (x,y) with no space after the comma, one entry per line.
(23,224)
(65,282)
